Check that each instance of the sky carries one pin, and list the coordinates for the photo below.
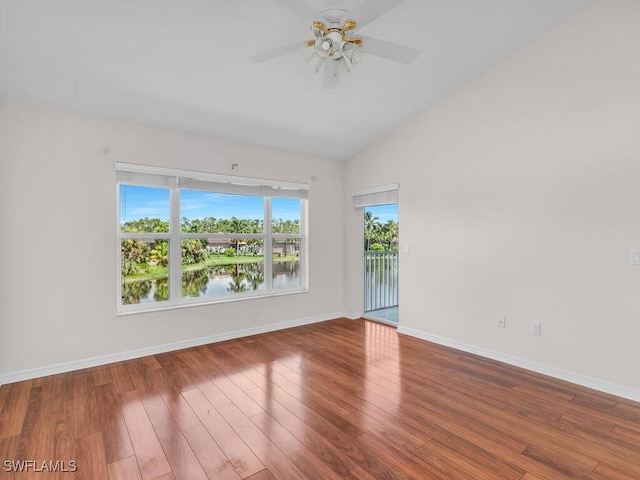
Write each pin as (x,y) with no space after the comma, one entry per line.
(384,212)
(138,202)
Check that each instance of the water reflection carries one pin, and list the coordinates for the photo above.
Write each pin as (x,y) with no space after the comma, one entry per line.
(145,291)
(134,292)
(220,280)
(223,279)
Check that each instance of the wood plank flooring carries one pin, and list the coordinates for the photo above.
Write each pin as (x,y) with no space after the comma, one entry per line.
(342,399)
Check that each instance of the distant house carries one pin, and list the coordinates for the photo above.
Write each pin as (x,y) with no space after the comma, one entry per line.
(284,248)
(219,244)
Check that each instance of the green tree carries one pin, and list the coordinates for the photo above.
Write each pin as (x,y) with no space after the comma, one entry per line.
(371,226)
(148,225)
(205,225)
(135,250)
(389,234)
(289,227)
(193,251)
(134,257)
(161,253)
(237,225)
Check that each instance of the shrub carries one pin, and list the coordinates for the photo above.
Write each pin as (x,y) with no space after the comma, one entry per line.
(136,251)
(229,252)
(129,267)
(193,251)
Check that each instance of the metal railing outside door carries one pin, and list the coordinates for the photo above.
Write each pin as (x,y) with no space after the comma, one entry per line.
(380,280)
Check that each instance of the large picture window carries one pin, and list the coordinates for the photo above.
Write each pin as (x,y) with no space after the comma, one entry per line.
(189,237)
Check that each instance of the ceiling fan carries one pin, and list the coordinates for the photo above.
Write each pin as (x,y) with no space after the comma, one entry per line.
(334,47)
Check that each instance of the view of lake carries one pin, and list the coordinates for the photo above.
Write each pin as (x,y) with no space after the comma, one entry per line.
(214,281)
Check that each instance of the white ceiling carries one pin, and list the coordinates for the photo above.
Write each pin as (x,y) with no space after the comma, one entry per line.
(183,64)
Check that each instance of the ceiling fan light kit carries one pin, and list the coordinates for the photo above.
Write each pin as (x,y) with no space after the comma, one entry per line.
(335,43)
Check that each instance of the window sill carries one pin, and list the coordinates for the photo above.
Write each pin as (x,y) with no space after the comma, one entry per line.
(185,303)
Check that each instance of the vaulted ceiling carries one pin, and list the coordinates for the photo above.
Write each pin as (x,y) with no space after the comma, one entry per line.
(183,64)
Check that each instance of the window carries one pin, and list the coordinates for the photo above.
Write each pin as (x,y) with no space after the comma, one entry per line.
(286,242)
(190,238)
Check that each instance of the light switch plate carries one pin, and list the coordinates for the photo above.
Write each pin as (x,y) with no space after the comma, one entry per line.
(635,257)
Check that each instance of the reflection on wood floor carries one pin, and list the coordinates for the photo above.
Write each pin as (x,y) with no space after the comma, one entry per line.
(339,399)
(389,315)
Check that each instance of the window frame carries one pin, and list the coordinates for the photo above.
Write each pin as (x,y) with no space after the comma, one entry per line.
(176,180)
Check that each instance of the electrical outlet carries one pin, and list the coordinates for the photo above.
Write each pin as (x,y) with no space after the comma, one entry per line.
(252,314)
(502,322)
(536,328)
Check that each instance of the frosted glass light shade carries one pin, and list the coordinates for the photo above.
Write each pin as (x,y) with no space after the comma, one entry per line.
(340,67)
(316,61)
(353,52)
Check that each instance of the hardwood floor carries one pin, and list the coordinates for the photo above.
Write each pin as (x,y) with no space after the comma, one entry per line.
(340,399)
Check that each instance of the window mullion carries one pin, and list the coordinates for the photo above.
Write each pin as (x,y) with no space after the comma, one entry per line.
(304,244)
(145,236)
(268,245)
(175,250)
(118,249)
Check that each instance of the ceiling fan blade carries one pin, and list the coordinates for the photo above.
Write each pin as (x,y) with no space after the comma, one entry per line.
(330,80)
(367,11)
(277,52)
(388,50)
(300,9)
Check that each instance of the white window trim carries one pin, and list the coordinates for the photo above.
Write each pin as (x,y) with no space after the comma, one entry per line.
(382,195)
(176,179)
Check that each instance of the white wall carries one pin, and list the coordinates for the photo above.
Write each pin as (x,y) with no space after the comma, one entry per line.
(58,257)
(520,196)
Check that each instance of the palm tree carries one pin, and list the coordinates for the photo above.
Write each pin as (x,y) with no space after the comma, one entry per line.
(371,226)
(161,253)
(390,230)
(238,225)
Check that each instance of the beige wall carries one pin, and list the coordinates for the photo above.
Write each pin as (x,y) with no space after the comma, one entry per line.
(59,254)
(520,196)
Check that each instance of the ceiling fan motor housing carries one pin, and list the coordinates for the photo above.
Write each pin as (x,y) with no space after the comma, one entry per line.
(330,45)
(333,15)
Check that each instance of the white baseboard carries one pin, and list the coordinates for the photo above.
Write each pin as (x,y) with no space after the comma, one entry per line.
(19,376)
(577,378)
